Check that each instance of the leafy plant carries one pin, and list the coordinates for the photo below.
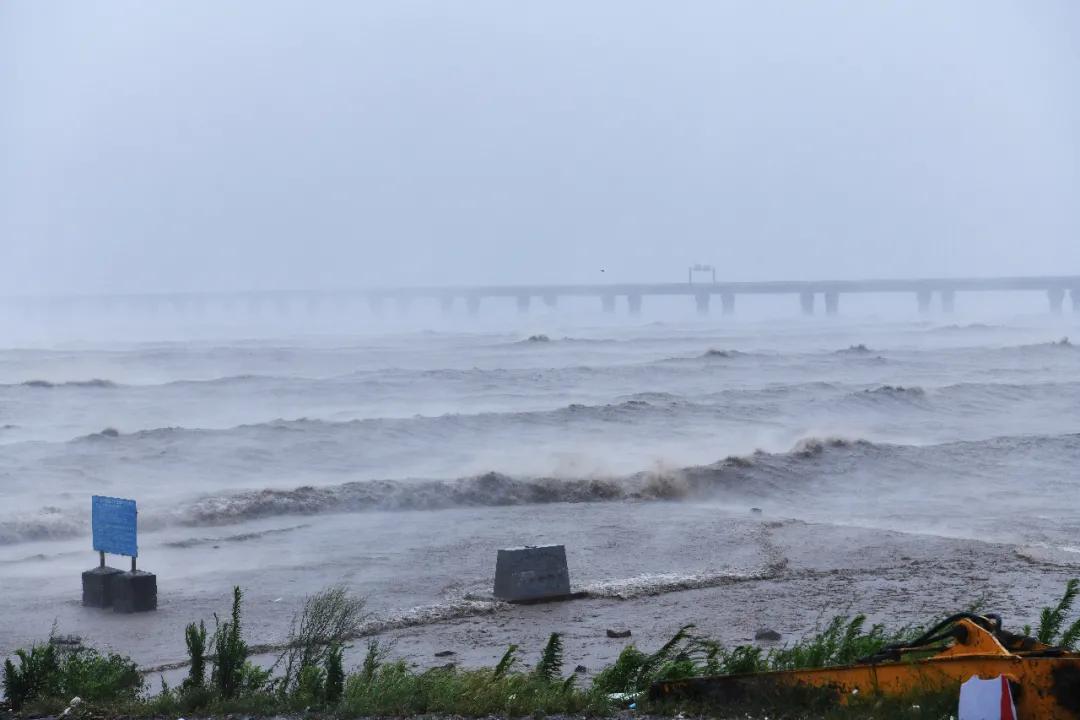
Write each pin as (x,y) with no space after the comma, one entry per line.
(551,660)
(310,685)
(372,660)
(335,673)
(622,676)
(231,651)
(1052,619)
(36,676)
(93,676)
(505,663)
(46,672)
(195,639)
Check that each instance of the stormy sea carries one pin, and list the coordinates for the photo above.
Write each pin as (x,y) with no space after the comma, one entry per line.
(399,460)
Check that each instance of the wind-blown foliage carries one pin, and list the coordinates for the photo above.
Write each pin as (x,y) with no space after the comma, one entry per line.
(231,651)
(335,673)
(329,617)
(46,672)
(195,639)
(44,677)
(551,660)
(1052,619)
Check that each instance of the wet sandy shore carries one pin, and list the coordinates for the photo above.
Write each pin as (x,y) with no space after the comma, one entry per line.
(650,568)
(894,578)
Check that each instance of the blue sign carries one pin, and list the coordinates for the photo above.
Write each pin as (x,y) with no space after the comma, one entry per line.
(115,522)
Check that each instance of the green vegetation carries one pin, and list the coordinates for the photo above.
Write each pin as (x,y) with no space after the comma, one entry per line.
(1052,620)
(231,652)
(47,672)
(326,622)
(335,673)
(312,675)
(195,639)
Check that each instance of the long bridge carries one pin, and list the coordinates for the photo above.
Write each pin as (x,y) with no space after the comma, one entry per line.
(928,293)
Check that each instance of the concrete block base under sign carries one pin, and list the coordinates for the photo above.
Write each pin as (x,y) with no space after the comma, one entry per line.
(134,592)
(97,586)
(532,574)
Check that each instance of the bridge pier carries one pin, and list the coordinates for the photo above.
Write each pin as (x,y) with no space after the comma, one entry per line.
(404,304)
(923,297)
(375,304)
(727,304)
(634,303)
(446,303)
(1057,299)
(607,303)
(551,301)
(806,302)
(472,304)
(948,301)
(832,303)
(701,300)
(523,302)
(1075,295)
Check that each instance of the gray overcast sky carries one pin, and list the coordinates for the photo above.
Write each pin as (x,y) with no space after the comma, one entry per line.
(187,144)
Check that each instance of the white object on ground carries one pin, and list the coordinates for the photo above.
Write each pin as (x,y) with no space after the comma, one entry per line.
(986,699)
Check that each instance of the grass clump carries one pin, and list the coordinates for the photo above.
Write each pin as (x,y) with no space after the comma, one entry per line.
(46,672)
(35,677)
(842,642)
(393,689)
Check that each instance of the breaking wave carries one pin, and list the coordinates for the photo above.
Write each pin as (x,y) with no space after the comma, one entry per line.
(49,524)
(757,472)
(714,354)
(811,464)
(895,391)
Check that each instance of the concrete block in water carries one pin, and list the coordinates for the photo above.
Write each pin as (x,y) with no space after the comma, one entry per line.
(134,592)
(97,586)
(532,573)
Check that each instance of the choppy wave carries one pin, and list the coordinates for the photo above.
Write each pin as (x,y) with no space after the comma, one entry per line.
(235,538)
(759,403)
(859,349)
(627,410)
(715,354)
(96,383)
(968,328)
(896,391)
(545,339)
